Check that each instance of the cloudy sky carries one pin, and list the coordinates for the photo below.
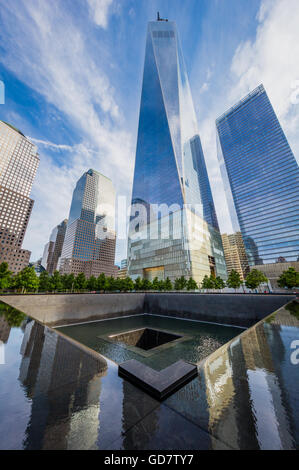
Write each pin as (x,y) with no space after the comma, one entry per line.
(73,69)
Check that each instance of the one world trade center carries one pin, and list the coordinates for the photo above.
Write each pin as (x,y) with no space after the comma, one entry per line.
(173,226)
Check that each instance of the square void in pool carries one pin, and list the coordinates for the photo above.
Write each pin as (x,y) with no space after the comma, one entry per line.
(145,338)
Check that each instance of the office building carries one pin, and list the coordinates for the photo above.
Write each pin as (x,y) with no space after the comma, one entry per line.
(53,248)
(18,165)
(173,225)
(123,270)
(235,254)
(89,243)
(261,177)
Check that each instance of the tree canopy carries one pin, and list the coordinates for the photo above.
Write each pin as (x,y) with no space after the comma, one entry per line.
(289,278)
(255,278)
(234,280)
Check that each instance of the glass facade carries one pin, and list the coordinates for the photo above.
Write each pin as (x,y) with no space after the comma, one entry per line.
(262,179)
(52,250)
(174,229)
(89,243)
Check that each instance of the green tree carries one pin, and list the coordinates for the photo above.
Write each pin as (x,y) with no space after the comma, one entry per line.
(55,282)
(208,282)
(128,284)
(219,283)
(80,282)
(118,284)
(146,284)
(161,285)
(109,284)
(68,282)
(191,284)
(26,280)
(168,284)
(138,284)
(234,280)
(92,283)
(5,276)
(289,278)
(255,278)
(44,282)
(155,284)
(13,316)
(180,283)
(101,281)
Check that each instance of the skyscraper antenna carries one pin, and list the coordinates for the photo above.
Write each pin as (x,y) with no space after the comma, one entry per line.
(159,18)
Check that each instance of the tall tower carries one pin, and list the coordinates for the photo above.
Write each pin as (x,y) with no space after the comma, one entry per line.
(18,165)
(262,181)
(53,248)
(173,227)
(89,244)
(235,254)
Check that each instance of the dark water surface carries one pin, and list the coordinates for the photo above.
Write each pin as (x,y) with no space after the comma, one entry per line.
(55,395)
(200,339)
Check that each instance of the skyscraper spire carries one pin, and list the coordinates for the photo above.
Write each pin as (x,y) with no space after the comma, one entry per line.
(159,18)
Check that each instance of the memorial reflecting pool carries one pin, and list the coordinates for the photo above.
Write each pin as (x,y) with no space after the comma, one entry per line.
(56,395)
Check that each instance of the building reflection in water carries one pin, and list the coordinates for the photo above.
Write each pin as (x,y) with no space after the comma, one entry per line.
(251,387)
(64,384)
(246,393)
(134,408)
(4,329)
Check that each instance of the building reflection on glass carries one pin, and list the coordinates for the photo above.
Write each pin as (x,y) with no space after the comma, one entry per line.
(64,384)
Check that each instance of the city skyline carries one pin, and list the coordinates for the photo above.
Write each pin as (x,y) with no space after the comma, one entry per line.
(89,119)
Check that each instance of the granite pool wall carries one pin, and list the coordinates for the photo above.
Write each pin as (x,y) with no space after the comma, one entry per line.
(62,309)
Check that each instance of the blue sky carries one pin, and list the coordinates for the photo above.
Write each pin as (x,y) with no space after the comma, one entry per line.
(73,70)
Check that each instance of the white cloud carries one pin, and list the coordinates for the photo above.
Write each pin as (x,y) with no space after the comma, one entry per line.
(204,87)
(99,11)
(270,58)
(50,54)
(48,144)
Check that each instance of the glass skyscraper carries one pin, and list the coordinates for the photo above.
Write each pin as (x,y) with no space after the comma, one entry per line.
(173,227)
(262,179)
(89,243)
(52,250)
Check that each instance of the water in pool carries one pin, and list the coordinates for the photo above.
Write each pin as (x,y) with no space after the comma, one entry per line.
(167,339)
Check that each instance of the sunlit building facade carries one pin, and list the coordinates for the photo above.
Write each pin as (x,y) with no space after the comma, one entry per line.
(261,177)
(235,254)
(53,248)
(18,165)
(89,243)
(173,226)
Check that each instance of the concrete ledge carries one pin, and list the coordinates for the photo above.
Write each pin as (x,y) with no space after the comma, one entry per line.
(63,309)
(234,309)
(159,384)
